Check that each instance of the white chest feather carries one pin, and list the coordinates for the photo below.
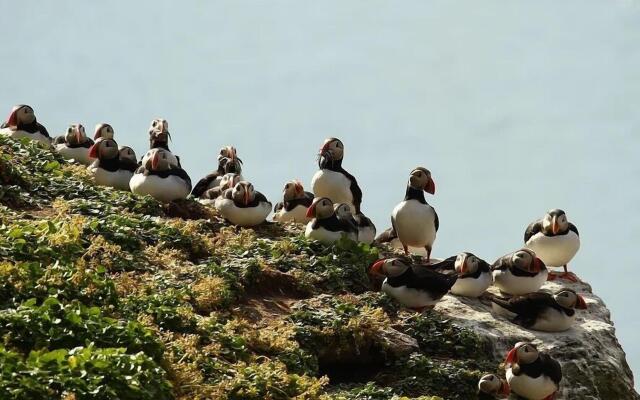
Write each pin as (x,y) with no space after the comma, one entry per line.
(323,235)
(37,136)
(298,215)
(79,154)
(471,287)
(412,298)
(117,179)
(334,185)
(162,189)
(415,223)
(366,234)
(248,216)
(518,285)
(555,251)
(553,320)
(531,388)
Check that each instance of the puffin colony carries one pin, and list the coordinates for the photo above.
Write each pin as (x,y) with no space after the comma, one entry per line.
(333,211)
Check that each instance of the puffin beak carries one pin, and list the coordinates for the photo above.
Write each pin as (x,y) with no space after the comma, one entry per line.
(537,264)
(512,356)
(376,267)
(555,228)
(93,151)
(430,187)
(299,188)
(154,161)
(12,120)
(311,211)
(246,197)
(581,304)
(79,136)
(463,268)
(505,390)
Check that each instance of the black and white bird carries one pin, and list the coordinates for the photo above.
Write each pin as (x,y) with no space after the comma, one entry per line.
(541,311)
(243,206)
(519,273)
(474,274)
(159,178)
(104,131)
(363,225)
(226,182)
(228,162)
(159,139)
(413,220)
(555,240)
(415,286)
(325,226)
(22,123)
(294,204)
(490,387)
(127,153)
(532,374)
(108,169)
(332,180)
(74,144)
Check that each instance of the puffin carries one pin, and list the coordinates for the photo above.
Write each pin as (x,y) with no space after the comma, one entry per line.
(389,236)
(226,182)
(490,387)
(22,123)
(332,181)
(555,240)
(532,374)
(159,178)
(363,225)
(540,311)
(228,162)
(242,205)
(325,226)
(109,169)
(127,153)
(413,220)
(74,144)
(415,286)
(104,131)
(294,204)
(474,274)
(159,139)
(519,273)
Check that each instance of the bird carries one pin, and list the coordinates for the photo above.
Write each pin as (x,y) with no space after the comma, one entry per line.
(532,374)
(474,274)
(364,227)
(127,153)
(159,178)
(415,286)
(74,144)
(159,138)
(228,162)
(22,123)
(108,169)
(227,181)
(541,311)
(242,205)
(332,180)
(325,226)
(491,387)
(294,204)
(555,240)
(519,273)
(104,131)
(389,236)
(413,220)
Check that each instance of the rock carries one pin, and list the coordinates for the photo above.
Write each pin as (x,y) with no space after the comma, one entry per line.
(593,362)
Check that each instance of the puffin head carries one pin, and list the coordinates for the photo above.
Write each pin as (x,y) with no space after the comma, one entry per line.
(466,263)
(159,131)
(104,149)
(127,153)
(228,160)
(75,134)
(243,193)
(491,384)
(522,353)
(555,222)
(568,298)
(526,260)
(103,131)
(420,178)
(388,267)
(343,211)
(332,149)
(320,208)
(229,180)
(21,114)
(293,190)
(157,160)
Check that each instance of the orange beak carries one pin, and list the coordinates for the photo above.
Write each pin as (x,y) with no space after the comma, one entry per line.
(537,265)
(463,268)
(12,120)
(430,187)
(512,357)
(247,198)
(93,151)
(581,304)
(154,161)
(299,188)
(376,267)
(311,211)
(505,390)
(79,136)
(555,228)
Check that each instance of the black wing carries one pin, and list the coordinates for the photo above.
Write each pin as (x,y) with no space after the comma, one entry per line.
(260,198)
(445,266)
(501,263)
(551,368)
(573,228)
(203,184)
(129,165)
(42,129)
(437,220)
(182,174)
(4,125)
(58,140)
(532,229)
(527,307)
(387,236)
(355,191)
(432,281)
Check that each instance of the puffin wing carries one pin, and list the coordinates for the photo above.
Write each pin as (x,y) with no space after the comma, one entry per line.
(387,236)
(500,264)
(260,198)
(129,165)
(203,184)
(528,306)
(437,220)
(432,281)
(355,190)
(42,129)
(573,228)
(445,266)
(551,368)
(182,174)
(532,229)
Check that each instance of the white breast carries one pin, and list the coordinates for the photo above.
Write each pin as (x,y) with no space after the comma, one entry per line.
(518,285)
(298,215)
(118,179)
(249,216)
(531,388)
(412,298)
(552,320)
(366,234)
(162,189)
(321,234)
(36,136)
(334,185)
(415,223)
(471,287)
(79,154)
(555,251)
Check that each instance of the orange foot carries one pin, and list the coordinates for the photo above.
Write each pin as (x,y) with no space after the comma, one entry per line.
(568,276)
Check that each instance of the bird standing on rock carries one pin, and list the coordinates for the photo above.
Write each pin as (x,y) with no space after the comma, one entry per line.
(490,387)
(532,374)
(109,169)
(22,123)
(519,273)
(226,182)
(74,144)
(294,204)
(555,240)
(332,181)
(228,162)
(160,179)
(242,205)
(474,274)
(104,131)
(159,139)
(325,226)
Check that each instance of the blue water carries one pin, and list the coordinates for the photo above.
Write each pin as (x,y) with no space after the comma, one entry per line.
(515,107)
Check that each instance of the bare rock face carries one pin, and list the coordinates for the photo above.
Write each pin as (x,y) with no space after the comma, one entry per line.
(593,362)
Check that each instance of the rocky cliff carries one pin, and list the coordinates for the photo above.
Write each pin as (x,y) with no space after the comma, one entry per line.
(105,295)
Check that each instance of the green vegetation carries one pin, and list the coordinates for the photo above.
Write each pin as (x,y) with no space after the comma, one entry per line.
(107,295)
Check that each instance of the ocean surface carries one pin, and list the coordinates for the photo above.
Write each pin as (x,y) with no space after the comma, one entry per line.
(515,107)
